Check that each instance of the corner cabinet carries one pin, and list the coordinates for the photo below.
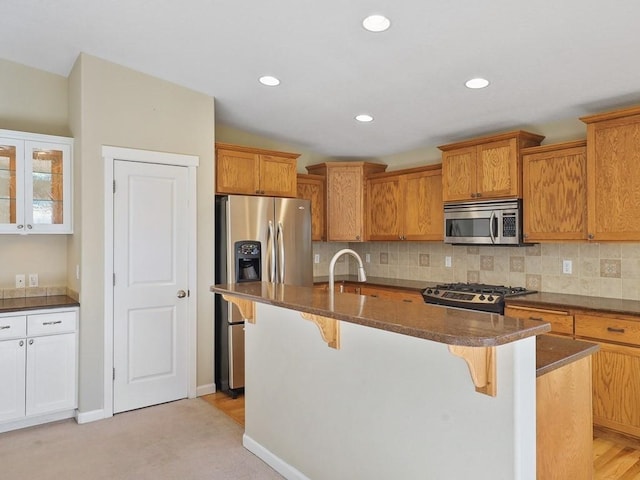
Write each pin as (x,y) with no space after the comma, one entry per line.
(554,192)
(253,171)
(312,188)
(406,205)
(613,156)
(38,367)
(35,183)
(486,167)
(346,198)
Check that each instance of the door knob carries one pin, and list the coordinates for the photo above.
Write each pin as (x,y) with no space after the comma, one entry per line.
(182,294)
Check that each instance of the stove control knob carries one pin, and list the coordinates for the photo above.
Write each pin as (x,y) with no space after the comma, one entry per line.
(436,291)
(429,291)
(481,297)
(490,298)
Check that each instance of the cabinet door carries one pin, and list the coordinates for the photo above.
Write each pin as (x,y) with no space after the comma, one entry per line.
(616,388)
(11,185)
(237,172)
(51,373)
(555,195)
(12,379)
(312,189)
(459,174)
(423,209)
(345,204)
(47,187)
(498,174)
(385,207)
(278,176)
(613,176)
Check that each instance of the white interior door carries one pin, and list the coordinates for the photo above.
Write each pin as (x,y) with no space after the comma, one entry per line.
(150,324)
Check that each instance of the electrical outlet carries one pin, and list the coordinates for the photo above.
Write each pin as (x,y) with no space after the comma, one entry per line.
(447,261)
(33,279)
(567,266)
(367,257)
(20,280)
(316,258)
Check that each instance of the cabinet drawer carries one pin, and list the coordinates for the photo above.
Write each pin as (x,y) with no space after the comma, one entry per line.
(51,323)
(13,327)
(561,322)
(610,328)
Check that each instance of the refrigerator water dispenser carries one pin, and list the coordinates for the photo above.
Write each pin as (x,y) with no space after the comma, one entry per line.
(248,259)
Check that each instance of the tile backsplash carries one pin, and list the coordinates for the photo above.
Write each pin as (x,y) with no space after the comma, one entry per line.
(603,270)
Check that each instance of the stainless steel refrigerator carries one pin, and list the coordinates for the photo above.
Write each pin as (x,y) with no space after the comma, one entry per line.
(256,239)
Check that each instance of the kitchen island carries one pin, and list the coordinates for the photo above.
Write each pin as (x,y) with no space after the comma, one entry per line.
(346,386)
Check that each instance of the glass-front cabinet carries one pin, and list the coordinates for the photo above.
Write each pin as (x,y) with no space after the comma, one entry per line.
(35,183)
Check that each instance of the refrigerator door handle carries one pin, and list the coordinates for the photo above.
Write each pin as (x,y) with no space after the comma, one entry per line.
(281,262)
(271,255)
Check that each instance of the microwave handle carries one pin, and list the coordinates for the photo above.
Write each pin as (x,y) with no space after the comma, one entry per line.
(491,219)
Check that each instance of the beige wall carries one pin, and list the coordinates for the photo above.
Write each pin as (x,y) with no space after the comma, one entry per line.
(116,106)
(33,101)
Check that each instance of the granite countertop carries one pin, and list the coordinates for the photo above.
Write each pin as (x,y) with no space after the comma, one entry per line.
(416,285)
(35,303)
(553,352)
(440,324)
(567,301)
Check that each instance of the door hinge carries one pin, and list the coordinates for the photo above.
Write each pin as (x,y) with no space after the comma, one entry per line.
(114,373)
(114,186)
(188,293)
(114,279)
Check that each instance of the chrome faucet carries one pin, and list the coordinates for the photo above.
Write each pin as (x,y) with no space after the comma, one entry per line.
(362,276)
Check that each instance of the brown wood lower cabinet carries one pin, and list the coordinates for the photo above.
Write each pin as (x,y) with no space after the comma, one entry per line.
(564,436)
(616,369)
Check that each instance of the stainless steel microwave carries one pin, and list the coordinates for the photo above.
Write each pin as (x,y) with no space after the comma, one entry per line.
(495,222)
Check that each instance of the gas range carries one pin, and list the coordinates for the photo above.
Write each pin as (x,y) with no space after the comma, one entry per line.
(474,296)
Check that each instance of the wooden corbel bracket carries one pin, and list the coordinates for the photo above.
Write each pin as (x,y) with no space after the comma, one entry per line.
(247,307)
(482,366)
(329,328)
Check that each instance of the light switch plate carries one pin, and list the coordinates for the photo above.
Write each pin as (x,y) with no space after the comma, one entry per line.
(367,257)
(316,258)
(567,266)
(33,279)
(447,261)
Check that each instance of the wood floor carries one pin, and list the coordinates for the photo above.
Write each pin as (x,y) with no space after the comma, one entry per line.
(615,457)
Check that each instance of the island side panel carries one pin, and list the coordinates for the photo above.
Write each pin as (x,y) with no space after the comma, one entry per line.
(383,406)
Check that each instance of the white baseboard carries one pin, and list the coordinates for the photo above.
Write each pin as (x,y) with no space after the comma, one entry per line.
(275,462)
(36,420)
(92,416)
(205,389)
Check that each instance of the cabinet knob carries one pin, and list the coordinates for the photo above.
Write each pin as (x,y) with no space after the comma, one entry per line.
(21,343)
(473,195)
(20,227)
(478,195)
(29,226)
(357,237)
(31,342)
(590,236)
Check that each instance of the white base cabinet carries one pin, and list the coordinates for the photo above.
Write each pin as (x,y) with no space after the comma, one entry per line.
(38,367)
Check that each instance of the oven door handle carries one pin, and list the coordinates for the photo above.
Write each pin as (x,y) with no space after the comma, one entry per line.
(491,219)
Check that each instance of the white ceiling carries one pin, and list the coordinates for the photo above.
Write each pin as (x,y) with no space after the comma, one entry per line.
(547,60)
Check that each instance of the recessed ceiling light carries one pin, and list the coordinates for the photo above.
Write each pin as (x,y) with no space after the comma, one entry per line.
(269,81)
(363,117)
(477,83)
(376,23)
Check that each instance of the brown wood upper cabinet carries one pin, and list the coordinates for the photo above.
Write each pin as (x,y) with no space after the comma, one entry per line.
(312,187)
(255,171)
(406,205)
(346,197)
(554,184)
(613,176)
(486,167)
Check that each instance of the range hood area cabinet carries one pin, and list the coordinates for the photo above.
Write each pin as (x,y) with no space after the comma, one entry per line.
(406,205)
(554,196)
(244,170)
(485,168)
(346,197)
(613,176)
(35,183)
